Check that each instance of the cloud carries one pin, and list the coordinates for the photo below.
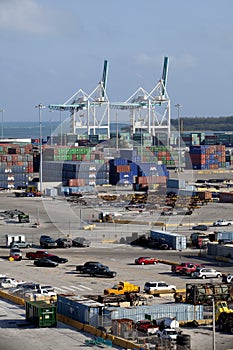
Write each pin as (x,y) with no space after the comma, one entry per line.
(26,16)
(185,60)
(144,59)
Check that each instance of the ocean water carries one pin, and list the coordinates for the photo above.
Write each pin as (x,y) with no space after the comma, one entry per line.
(32,129)
(27,129)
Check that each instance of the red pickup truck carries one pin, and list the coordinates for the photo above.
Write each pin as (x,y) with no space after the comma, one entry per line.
(146,326)
(38,254)
(189,270)
(178,268)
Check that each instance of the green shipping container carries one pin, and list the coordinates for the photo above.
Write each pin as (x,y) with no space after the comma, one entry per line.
(41,314)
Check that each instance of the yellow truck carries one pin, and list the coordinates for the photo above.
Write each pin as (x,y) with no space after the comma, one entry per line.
(122,288)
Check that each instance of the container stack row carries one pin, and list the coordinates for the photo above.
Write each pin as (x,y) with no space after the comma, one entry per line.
(207,157)
(16,165)
(73,153)
(76,174)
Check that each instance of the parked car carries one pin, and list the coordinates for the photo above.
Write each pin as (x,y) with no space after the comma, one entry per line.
(146,260)
(45,262)
(200,227)
(58,259)
(80,242)
(206,273)
(178,268)
(222,222)
(89,266)
(9,283)
(47,242)
(64,243)
(38,254)
(169,212)
(16,254)
(20,244)
(191,268)
(158,287)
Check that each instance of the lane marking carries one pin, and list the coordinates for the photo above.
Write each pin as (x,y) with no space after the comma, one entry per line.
(81,287)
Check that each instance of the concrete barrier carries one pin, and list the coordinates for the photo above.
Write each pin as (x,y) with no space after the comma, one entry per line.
(70,322)
(12,298)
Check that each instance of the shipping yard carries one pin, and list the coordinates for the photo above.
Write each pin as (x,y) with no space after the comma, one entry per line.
(136,223)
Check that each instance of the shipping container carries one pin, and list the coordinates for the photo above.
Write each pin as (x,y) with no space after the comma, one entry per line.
(174,240)
(226,197)
(80,308)
(41,314)
(182,312)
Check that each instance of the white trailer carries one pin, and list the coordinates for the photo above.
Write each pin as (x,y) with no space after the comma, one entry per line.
(13,238)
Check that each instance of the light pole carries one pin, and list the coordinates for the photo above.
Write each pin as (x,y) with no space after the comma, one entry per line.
(61,126)
(40,107)
(51,132)
(2,111)
(178,106)
(213,307)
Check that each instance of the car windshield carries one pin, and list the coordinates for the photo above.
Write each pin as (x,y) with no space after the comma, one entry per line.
(115,286)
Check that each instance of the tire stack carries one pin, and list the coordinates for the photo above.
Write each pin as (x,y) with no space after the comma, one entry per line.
(183,342)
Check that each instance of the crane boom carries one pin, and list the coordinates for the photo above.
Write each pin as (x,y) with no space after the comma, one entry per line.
(104,77)
(165,70)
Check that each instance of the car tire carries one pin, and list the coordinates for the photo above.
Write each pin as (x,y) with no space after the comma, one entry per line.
(218,276)
(142,263)
(204,277)
(155,262)
(28,246)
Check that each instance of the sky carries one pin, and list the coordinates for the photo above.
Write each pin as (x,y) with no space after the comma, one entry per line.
(52,48)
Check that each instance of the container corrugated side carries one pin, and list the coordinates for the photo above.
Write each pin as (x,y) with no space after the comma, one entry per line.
(182,312)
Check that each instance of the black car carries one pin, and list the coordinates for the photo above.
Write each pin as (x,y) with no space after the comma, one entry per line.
(64,243)
(80,242)
(45,262)
(58,259)
(200,227)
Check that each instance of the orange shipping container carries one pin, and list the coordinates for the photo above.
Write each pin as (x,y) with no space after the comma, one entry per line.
(142,180)
(123,168)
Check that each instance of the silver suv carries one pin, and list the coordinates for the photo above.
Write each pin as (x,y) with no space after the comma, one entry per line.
(207,273)
(161,286)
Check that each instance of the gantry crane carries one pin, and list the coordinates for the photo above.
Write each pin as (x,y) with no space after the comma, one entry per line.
(149,111)
(89,112)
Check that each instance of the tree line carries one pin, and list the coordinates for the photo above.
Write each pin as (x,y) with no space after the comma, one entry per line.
(204,123)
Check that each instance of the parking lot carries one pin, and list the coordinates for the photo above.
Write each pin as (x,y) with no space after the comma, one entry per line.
(57,219)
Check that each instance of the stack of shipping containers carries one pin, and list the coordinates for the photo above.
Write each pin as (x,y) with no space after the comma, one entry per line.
(140,174)
(207,157)
(16,165)
(163,155)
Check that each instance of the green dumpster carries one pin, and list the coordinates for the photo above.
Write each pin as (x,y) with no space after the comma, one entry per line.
(41,314)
